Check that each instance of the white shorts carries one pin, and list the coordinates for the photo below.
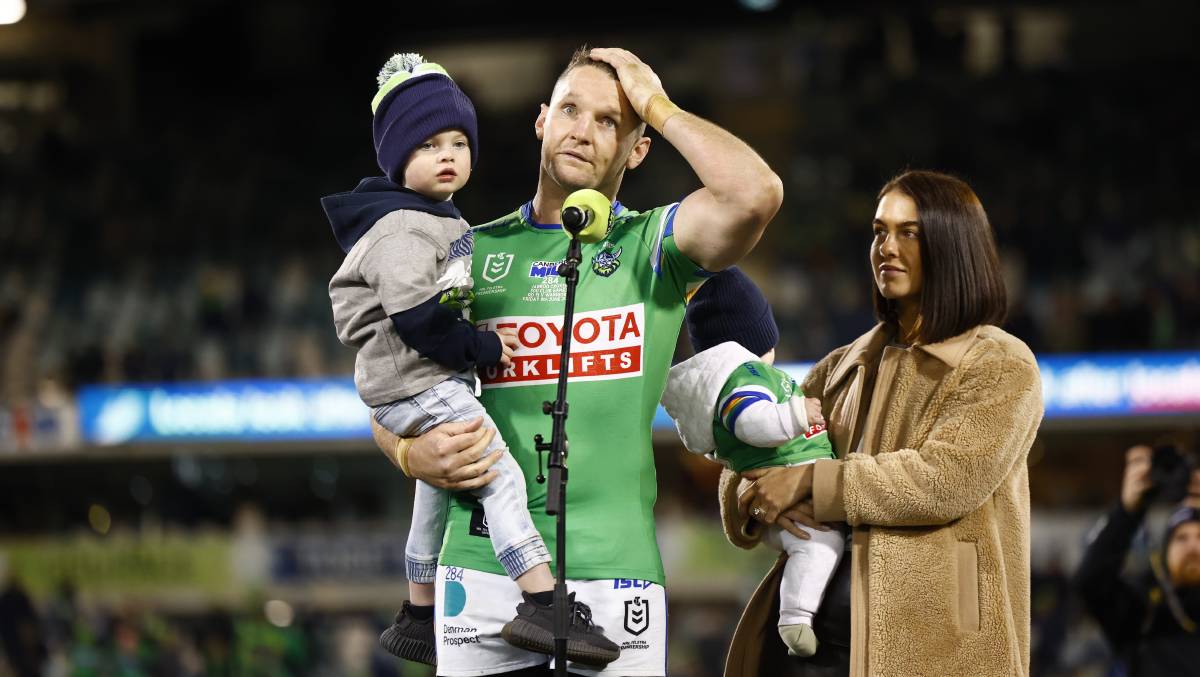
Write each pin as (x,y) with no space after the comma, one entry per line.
(473,606)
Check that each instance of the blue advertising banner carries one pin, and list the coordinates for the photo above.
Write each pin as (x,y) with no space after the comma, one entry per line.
(1077,386)
(1074,386)
(258,410)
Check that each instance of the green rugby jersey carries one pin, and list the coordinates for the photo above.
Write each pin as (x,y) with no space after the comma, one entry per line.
(628,310)
(752,382)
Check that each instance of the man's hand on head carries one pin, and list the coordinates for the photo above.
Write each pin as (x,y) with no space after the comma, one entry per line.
(637,79)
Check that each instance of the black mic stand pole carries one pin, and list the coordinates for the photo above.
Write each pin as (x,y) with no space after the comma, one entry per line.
(556,490)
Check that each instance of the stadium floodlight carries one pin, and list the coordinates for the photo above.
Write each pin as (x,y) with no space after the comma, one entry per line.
(11,11)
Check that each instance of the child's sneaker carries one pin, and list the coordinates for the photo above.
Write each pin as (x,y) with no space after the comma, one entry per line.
(533,629)
(410,638)
(800,639)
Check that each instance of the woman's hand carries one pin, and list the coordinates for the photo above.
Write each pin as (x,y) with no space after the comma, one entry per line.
(800,515)
(776,490)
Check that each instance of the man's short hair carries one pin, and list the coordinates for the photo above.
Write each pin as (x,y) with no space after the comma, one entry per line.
(581,58)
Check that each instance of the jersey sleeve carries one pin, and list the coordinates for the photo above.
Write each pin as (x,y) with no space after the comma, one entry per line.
(670,265)
(747,385)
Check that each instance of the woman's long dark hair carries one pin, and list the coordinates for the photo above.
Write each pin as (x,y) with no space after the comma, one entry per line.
(963,285)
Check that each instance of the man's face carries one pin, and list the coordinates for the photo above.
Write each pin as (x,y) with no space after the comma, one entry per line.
(589,132)
(1183,555)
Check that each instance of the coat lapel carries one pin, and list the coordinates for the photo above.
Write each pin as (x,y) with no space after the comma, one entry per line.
(952,350)
(848,379)
(862,353)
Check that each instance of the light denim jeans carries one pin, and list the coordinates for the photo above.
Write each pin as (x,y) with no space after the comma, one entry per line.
(515,540)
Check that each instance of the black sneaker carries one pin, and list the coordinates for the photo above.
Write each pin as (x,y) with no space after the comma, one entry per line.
(410,638)
(533,629)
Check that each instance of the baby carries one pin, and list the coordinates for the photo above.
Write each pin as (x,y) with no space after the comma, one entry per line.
(731,404)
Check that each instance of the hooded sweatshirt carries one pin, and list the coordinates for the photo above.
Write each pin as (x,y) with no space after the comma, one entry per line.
(400,294)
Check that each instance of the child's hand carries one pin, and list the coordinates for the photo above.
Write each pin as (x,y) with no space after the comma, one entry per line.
(812,407)
(508,341)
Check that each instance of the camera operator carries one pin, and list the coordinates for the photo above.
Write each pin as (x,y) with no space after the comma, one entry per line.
(1151,624)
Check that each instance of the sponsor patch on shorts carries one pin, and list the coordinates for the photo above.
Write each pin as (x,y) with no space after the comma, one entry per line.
(475,605)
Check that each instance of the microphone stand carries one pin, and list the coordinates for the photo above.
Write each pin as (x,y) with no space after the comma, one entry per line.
(556,490)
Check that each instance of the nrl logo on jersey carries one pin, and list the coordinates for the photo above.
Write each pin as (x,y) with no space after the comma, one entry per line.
(637,615)
(607,260)
(496,266)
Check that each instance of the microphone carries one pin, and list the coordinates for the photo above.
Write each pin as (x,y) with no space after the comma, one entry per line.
(587,216)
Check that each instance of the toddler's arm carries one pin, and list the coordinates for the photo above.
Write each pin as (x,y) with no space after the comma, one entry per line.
(440,333)
(401,269)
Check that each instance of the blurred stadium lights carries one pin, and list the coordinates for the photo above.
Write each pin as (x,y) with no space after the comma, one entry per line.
(759,5)
(279,613)
(11,11)
(99,519)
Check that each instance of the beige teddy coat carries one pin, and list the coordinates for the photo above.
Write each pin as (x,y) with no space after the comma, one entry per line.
(937,494)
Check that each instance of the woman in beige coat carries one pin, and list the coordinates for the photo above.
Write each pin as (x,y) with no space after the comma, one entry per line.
(932,414)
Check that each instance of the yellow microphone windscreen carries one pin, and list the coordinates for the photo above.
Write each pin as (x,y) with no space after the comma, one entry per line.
(597,211)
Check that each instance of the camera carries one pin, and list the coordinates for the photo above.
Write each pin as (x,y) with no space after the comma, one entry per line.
(1170,472)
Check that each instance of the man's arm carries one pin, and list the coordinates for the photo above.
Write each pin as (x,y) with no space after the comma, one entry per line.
(1111,601)
(720,223)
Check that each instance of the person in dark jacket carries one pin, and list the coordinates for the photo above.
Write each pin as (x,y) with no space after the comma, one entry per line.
(1151,624)
(21,637)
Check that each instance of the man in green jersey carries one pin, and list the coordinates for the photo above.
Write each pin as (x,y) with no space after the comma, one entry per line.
(629,306)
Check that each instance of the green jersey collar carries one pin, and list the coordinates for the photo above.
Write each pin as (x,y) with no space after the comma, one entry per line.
(526,212)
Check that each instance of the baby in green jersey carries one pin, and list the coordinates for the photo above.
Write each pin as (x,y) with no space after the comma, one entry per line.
(730,404)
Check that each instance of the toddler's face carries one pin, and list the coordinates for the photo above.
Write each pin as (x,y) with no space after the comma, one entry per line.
(439,166)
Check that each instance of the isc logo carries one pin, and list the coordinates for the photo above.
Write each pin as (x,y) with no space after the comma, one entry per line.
(622,583)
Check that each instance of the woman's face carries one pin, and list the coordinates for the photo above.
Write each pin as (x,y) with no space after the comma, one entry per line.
(896,248)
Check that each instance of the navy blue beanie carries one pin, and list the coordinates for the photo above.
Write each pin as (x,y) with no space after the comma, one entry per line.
(729,307)
(1181,516)
(415,101)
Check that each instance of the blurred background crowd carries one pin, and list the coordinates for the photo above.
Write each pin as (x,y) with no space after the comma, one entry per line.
(160,170)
